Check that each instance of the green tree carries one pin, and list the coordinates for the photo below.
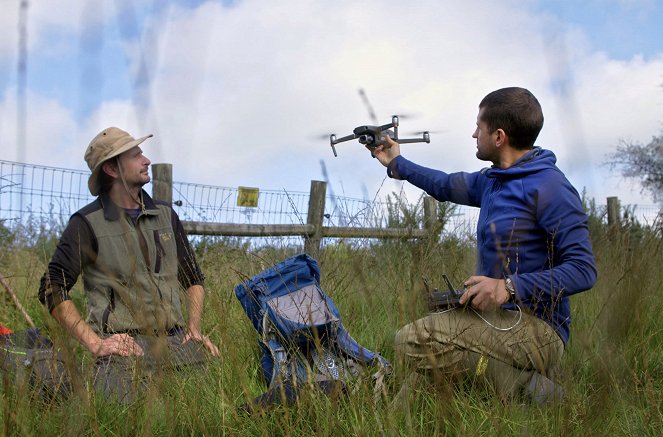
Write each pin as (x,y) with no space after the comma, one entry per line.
(643,162)
(6,235)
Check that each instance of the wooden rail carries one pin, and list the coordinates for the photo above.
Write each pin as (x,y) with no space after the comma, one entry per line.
(313,231)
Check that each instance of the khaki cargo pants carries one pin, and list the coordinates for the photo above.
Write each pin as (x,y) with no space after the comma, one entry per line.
(503,347)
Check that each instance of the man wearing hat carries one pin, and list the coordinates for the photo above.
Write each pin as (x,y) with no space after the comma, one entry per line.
(138,271)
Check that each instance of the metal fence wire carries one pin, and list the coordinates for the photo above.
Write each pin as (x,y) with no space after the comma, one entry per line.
(49,195)
(207,203)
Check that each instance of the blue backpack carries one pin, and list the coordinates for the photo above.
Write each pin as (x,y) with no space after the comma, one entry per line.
(302,337)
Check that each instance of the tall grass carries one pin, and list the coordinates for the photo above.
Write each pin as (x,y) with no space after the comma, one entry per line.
(613,365)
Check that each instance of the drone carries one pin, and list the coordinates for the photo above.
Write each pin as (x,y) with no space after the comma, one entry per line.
(370,136)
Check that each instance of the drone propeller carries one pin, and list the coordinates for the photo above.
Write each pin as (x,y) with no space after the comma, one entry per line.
(319,137)
(369,107)
(407,115)
(421,132)
(371,111)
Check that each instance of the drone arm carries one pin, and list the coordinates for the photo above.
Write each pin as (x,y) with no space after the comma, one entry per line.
(425,138)
(411,140)
(394,123)
(333,141)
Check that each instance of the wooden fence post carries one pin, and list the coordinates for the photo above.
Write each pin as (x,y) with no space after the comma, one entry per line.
(316,211)
(431,223)
(162,182)
(613,212)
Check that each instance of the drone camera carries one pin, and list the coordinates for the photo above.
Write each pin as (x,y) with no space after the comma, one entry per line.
(370,135)
(366,139)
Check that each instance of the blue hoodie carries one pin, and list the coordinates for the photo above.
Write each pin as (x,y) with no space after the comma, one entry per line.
(532,228)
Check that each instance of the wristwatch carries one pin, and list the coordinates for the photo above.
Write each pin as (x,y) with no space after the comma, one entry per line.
(508,284)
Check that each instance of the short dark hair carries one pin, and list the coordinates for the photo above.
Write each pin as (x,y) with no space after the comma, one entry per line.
(517,112)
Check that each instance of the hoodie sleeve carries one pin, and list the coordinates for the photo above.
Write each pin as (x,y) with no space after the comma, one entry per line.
(462,188)
(571,261)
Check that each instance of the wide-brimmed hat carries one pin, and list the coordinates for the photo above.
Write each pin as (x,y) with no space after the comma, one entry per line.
(109,143)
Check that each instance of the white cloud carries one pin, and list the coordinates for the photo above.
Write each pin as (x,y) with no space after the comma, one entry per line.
(252,103)
(609,100)
(50,131)
(236,95)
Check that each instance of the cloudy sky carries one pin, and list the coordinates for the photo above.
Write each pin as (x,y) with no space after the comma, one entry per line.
(240,92)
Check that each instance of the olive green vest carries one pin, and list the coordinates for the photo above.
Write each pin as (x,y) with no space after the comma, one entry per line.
(129,288)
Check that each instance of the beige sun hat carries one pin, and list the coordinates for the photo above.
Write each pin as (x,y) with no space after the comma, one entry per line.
(109,143)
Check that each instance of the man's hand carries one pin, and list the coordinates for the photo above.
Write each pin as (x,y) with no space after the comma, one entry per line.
(197,336)
(117,344)
(484,293)
(68,316)
(385,154)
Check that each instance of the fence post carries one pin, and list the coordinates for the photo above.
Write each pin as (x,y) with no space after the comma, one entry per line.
(431,224)
(162,182)
(316,211)
(613,212)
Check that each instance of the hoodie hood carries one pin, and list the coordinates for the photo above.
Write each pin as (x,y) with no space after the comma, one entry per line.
(534,161)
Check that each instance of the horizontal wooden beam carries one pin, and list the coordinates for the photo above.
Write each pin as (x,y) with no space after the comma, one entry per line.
(246,230)
(251,230)
(372,232)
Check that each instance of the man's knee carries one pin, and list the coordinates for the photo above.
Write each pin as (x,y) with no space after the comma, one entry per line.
(417,346)
(402,348)
(401,340)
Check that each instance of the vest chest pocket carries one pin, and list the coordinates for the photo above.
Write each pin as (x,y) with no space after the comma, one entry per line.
(165,249)
(107,311)
(160,251)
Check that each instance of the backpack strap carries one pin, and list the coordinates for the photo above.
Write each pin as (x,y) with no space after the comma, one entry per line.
(279,358)
(289,368)
(350,347)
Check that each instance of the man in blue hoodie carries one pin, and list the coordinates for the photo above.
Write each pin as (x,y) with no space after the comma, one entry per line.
(533,252)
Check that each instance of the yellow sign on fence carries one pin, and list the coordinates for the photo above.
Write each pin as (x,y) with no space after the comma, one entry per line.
(247,196)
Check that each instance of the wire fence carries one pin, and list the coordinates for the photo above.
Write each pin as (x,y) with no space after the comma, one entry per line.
(44,198)
(39,194)
(208,203)
(28,191)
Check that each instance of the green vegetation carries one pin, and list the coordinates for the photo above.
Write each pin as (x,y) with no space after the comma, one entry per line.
(613,366)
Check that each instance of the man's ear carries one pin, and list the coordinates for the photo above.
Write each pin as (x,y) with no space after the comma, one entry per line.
(110,169)
(501,138)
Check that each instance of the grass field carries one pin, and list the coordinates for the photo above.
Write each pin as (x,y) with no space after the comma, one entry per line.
(613,365)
